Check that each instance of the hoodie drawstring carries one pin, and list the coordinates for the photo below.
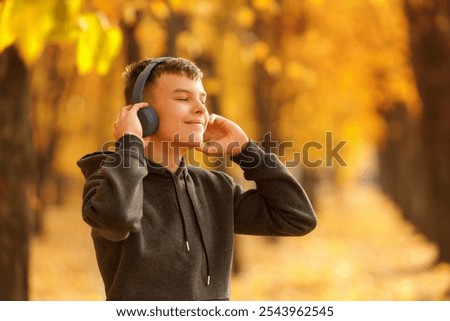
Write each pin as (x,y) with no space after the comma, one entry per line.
(183,222)
(205,251)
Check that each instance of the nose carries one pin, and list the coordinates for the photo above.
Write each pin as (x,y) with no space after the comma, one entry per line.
(200,107)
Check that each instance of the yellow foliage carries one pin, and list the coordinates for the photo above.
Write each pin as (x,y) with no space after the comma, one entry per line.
(245,17)
(112,9)
(339,70)
(73,6)
(159,8)
(30,25)
(273,65)
(30,37)
(90,33)
(236,79)
(177,5)
(330,72)
(98,44)
(7,35)
(261,50)
(110,45)
(264,5)
(151,37)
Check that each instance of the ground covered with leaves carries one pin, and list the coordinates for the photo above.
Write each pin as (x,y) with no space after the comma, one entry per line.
(362,249)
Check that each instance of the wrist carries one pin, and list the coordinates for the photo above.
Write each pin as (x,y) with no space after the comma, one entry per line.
(238,149)
(134,134)
(129,140)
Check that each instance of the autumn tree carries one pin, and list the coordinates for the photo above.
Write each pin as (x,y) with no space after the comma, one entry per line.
(430,58)
(15,176)
(21,44)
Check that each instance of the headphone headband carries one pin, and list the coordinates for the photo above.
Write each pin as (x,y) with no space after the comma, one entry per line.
(139,85)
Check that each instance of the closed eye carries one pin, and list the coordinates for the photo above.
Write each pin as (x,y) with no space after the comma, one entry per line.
(186,99)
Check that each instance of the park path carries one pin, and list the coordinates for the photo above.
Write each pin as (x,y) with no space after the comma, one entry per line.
(362,249)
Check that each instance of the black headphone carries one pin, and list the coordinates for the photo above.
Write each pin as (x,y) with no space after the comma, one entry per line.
(147,116)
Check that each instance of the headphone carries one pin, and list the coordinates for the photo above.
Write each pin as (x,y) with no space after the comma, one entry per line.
(147,116)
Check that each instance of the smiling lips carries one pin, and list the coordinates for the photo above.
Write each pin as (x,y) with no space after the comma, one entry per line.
(195,122)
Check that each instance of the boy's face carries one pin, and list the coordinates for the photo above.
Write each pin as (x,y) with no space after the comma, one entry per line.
(180,104)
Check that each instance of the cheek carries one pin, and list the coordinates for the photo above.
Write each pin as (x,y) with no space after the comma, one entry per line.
(169,130)
(168,124)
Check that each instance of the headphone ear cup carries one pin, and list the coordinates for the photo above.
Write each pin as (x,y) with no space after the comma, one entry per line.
(149,120)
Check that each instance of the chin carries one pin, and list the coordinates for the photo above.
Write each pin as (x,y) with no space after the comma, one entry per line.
(190,140)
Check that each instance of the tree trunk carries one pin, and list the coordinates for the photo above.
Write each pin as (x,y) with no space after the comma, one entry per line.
(53,85)
(267,106)
(401,166)
(430,56)
(175,25)
(131,46)
(15,158)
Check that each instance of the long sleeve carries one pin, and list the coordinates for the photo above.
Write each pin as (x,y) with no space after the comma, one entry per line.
(113,192)
(278,205)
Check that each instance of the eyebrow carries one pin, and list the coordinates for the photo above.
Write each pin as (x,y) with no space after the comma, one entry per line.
(187,91)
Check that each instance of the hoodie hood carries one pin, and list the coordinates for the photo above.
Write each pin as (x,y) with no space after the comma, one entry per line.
(90,163)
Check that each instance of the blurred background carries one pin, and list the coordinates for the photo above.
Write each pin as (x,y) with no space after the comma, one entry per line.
(357,92)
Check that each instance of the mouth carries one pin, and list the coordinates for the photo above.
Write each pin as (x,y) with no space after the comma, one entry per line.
(200,123)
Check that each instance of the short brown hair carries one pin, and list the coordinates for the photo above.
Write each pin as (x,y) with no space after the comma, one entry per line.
(177,66)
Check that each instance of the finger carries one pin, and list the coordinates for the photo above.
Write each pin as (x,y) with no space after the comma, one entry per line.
(208,149)
(212,118)
(137,106)
(115,131)
(126,108)
(209,127)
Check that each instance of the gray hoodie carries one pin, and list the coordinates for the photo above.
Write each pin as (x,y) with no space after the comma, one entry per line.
(181,225)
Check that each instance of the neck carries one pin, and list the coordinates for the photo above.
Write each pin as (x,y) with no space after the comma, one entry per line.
(164,153)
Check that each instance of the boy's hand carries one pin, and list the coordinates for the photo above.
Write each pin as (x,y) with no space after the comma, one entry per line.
(127,121)
(223,137)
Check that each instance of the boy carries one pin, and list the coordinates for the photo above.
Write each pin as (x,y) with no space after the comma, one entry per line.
(163,230)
